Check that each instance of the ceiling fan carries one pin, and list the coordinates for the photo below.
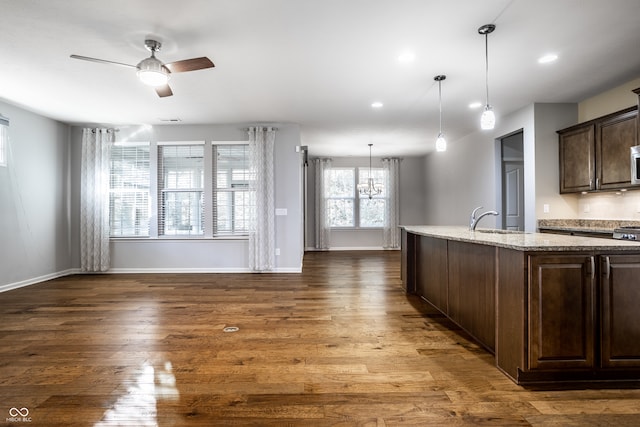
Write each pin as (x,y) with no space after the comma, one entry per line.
(153,72)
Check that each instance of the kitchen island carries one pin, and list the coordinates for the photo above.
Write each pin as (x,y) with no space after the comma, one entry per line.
(552,308)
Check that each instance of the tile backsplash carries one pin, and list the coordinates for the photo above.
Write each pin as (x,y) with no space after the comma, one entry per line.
(624,205)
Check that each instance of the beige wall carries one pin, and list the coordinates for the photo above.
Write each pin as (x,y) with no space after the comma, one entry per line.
(610,101)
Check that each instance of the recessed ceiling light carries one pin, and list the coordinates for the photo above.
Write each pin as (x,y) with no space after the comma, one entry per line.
(377,105)
(406,57)
(475,105)
(547,58)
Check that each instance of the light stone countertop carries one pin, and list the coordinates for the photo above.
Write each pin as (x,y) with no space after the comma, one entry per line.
(523,241)
(600,226)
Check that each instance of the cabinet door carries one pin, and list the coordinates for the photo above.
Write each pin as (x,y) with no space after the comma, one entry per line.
(577,159)
(561,312)
(431,271)
(614,137)
(472,282)
(620,333)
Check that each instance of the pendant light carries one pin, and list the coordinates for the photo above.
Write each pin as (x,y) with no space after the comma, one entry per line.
(488,118)
(441,142)
(370,188)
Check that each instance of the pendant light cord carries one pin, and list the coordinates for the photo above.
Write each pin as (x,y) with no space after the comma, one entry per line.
(440,102)
(486,61)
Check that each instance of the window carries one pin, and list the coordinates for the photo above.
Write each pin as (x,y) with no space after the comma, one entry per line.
(4,140)
(232,199)
(197,192)
(341,190)
(129,181)
(371,211)
(181,189)
(348,208)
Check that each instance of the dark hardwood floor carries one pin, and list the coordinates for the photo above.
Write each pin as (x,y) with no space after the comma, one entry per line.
(338,345)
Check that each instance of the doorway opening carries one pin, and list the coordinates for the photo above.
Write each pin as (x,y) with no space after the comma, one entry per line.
(512,174)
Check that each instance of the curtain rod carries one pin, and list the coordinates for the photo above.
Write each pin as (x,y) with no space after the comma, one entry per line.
(108,130)
(263,128)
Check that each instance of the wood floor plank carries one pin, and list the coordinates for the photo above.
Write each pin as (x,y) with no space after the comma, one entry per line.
(340,344)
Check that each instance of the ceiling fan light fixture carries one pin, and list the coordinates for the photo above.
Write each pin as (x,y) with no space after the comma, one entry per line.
(152,72)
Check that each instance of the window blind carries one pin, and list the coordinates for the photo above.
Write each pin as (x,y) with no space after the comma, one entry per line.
(129,196)
(181,189)
(232,200)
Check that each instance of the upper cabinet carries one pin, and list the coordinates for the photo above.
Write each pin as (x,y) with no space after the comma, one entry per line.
(595,155)
(577,158)
(614,137)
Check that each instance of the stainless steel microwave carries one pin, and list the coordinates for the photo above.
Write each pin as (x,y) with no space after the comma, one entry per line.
(635,164)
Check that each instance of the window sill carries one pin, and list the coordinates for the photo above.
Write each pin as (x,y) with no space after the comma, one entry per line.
(176,239)
(356,228)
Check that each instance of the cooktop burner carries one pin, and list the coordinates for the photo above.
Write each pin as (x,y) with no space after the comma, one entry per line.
(631,232)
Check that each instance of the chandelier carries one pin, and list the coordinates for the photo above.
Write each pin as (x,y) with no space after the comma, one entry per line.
(370,188)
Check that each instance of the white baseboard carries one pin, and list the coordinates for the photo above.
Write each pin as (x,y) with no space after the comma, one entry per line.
(196,270)
(35,280)
(73,271)
(351,248)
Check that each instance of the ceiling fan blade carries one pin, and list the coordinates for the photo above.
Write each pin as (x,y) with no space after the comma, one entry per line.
(104,61)
(190,65)
(163,91)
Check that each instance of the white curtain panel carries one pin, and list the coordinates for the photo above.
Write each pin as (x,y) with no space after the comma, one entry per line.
(262,234)
(391,230)
(323,229)
(94,200)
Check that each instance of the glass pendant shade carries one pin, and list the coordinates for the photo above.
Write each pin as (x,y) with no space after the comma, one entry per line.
(441,143)
(152,72)
(488,118)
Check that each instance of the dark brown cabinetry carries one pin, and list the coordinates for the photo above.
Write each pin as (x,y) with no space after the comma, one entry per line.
(595,155)
(620,296)
(614,137)
(431,272)
(561,312)
(577,154)
(408,261)
(472,290)
(552,316)
(458,279)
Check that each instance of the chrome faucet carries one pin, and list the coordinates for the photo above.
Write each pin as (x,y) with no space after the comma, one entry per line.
(473,221)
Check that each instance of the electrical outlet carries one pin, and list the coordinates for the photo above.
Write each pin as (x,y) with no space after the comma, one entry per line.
(277,251)
(587,208)
(545,208)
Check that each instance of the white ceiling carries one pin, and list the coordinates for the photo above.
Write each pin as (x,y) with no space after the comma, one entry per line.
(318,63)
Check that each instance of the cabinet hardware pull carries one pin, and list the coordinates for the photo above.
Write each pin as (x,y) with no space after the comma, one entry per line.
(593,267)
(607,267)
